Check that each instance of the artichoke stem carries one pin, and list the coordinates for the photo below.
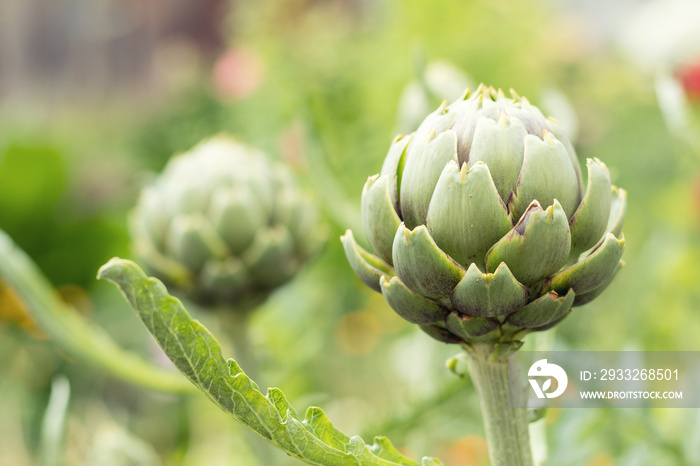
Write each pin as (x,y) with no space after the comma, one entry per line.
(236,325)
(495,374)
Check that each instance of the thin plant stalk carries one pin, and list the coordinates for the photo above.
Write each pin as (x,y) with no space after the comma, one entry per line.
(496,376)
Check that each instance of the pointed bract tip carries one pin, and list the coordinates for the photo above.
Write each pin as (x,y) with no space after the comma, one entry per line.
(550,210)
(535,204)
(431,135)
(547,137)
(621,192)
(502,118)
(466,94)
(442,109)
(499,269)
(549,213)
(521,225)
(397,138)
(598,161)
(514,94)
(463,172)
(453,164)
(383,282)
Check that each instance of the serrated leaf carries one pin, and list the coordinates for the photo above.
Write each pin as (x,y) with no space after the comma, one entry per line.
(283,407)
(195,351)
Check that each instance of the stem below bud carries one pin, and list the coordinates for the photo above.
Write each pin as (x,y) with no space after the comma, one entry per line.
(495,374)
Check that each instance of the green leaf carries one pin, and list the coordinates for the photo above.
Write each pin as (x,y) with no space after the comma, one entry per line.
(197,354)
(74,335)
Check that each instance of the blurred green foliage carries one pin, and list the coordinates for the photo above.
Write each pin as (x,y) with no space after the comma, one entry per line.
(336,69)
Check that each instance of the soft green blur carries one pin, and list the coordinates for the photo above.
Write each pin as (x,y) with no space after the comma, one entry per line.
(96,99)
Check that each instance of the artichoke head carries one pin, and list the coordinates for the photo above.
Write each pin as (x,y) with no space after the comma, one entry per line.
(480,224)
(224,224)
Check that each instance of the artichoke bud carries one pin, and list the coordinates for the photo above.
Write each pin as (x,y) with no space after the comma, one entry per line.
(481,227)
(224,224)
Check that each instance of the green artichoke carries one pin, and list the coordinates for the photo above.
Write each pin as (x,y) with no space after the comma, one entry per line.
(479,226)
(224,224)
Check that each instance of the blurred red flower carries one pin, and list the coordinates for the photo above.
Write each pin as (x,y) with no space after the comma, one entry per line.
(689,76)
(238,73)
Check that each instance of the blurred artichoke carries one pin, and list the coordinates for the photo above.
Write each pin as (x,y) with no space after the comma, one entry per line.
(479,225)
(224,224)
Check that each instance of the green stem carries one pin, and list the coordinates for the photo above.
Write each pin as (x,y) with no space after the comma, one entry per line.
(74,335)
(236,324)
(497,380)
(54,423)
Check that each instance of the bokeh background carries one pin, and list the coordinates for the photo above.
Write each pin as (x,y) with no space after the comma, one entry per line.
(95,97)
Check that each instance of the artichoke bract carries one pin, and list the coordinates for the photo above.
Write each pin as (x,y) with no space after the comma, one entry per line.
(224,224)
(480,224)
